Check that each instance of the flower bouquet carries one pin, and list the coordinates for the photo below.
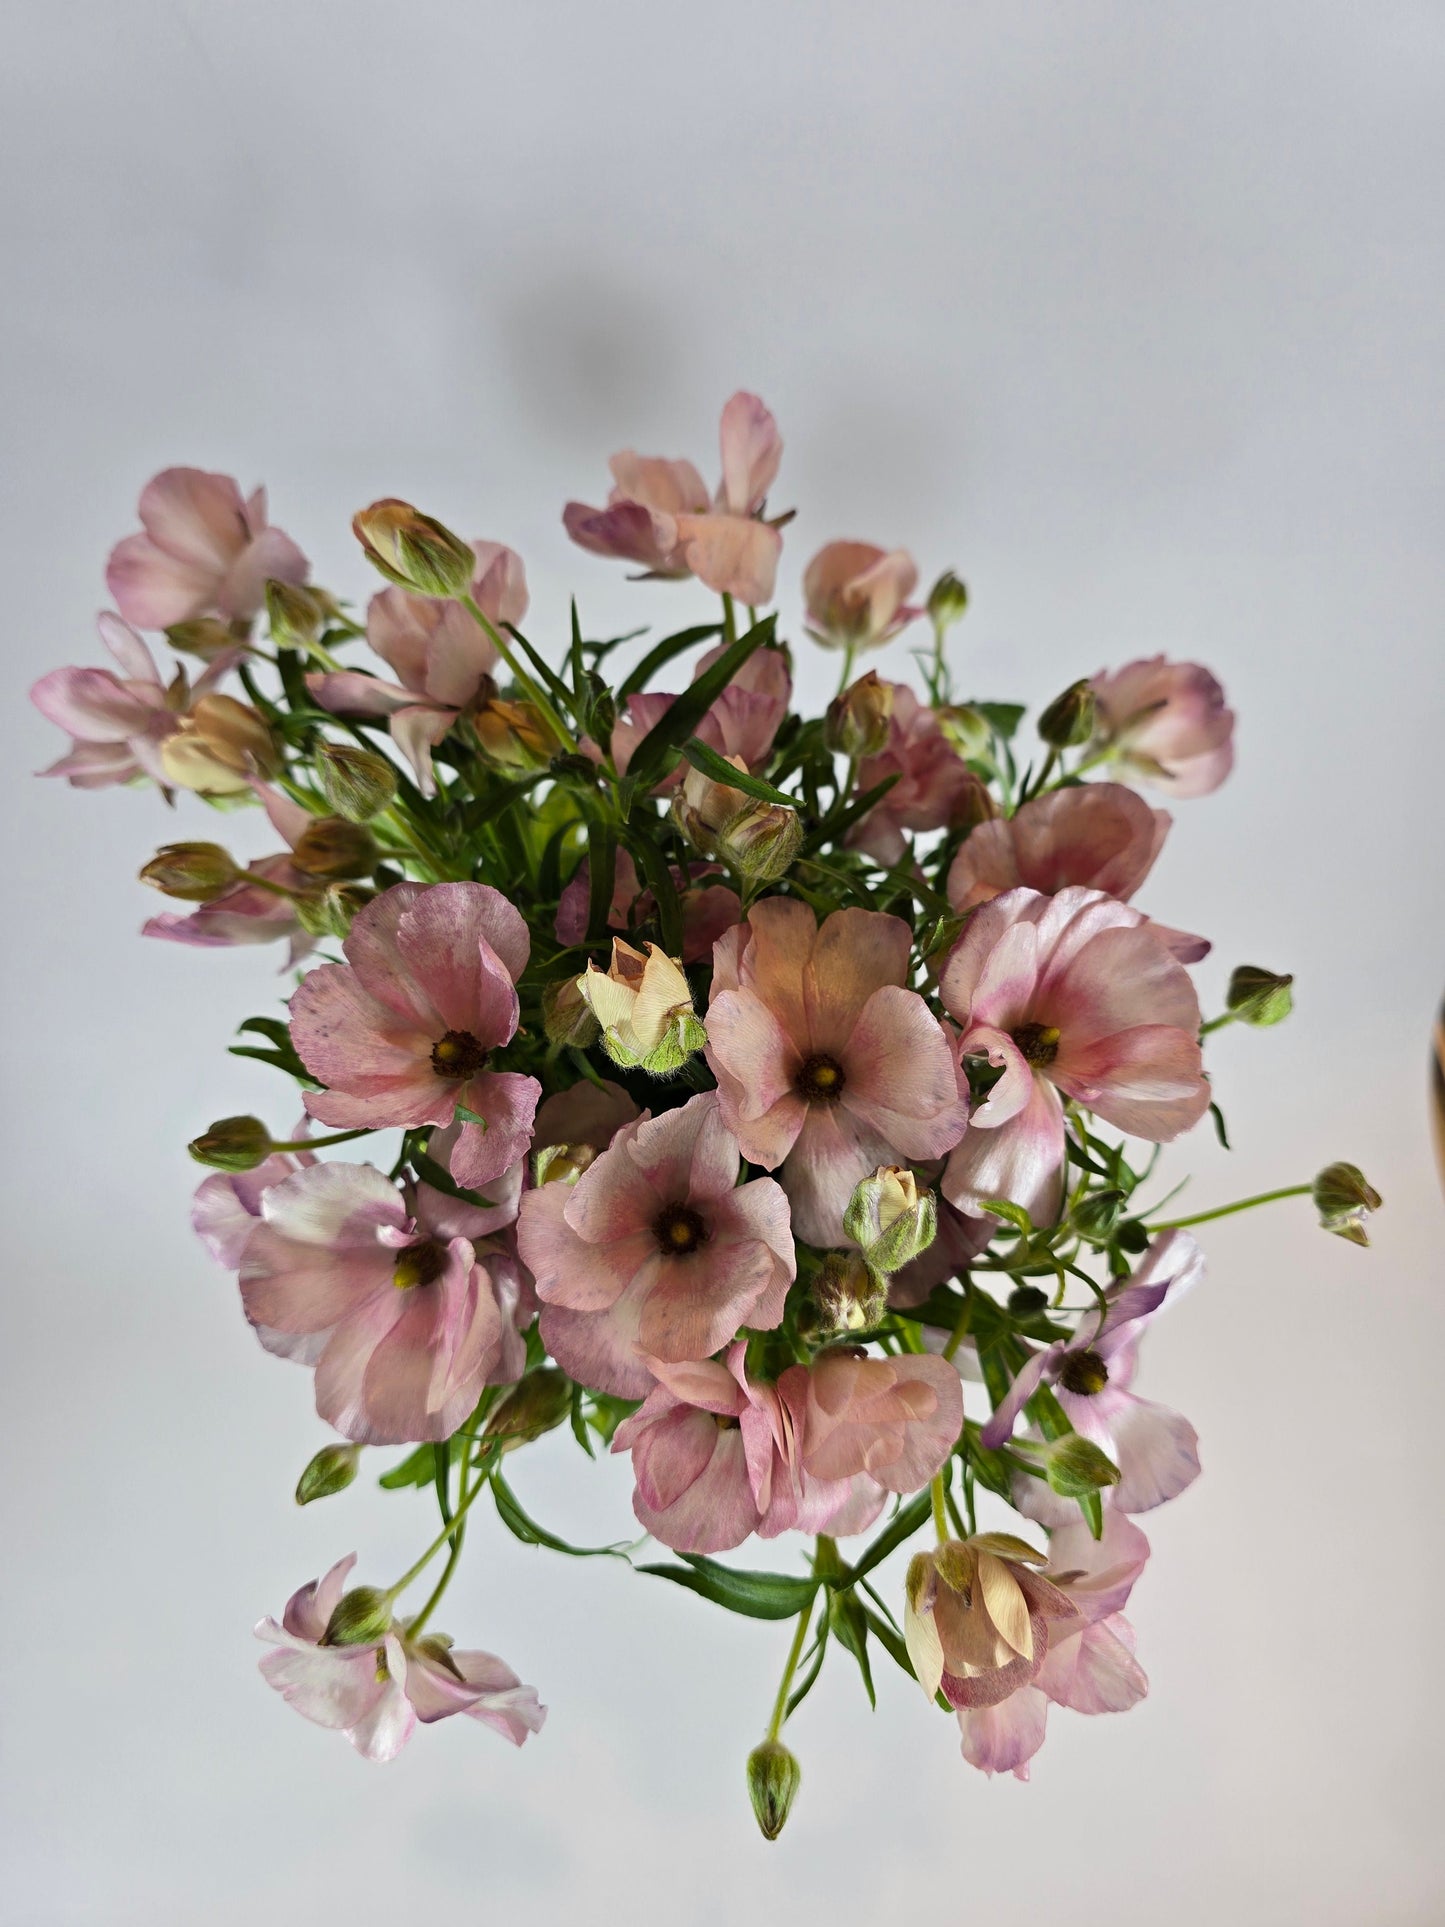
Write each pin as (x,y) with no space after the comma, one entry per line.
(772,1099)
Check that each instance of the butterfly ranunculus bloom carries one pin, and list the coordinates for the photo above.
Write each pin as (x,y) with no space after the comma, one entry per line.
(205,550)
(440,652)
(979,1619)
(1073,995)
(1156,1450)
(656,1249)
(376,1693)
(387,1294)
(857,594)
(118,723)
(1167,723)
(660,515)
(895,1419)
(400,1033)
(742,721)
(1089,1666)
(935,789)
(826,1064)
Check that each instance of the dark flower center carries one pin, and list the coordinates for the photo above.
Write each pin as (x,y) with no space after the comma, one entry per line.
(724,1421)
(820,1079)
(679,1230)
(420,1264)
(1083,1374)
(1038,1044)
(457,1055)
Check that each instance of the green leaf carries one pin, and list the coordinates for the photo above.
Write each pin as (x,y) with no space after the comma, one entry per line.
(658,873)
(889,1641)
(1002,718)
(439,1179)
(601,876)
(661,654)
(1011,1213)
(848,1620)
(659,748)
(531,1534)
(805,1685)
(551,680)
(903,1526)
(499,797)
(757,1595)
(579,1424)
(1219,1130)
(722,771)
(418,1469)
(838,822)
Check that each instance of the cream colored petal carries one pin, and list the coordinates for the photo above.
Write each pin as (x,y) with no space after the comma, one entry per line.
(1007,1607)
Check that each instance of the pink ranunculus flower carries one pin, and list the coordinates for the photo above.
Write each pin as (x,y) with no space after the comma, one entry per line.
(405,1320)
(826,1063)
(656,1250)
(440,653)
(400,1033)
(857,594)
(894,1419)
(375,1693)
(660,516)
(1077,995)
(742,722)
(1167,723)
(248,912)
(205,550)
(117,723)
(1100,836)
(935,789)
(1090,1665)
(1156,1450)
(590,1114)
(708,909)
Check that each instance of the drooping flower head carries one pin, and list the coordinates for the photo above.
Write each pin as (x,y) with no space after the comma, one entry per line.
(400,1033)
(1073,994)
(656,1250)
(204,550)
(826,1064)
(935,789)
(1168,724)
(375,1692)
(857,594)
(979,1616)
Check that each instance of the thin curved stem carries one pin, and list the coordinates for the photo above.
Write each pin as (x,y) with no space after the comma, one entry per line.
(1228,1210)
(795,1653)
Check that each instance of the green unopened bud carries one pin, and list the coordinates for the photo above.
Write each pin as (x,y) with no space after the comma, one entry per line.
(296,614)
(1074,1466)
(966,728)
(847,1294)
(332,1470)
(1027,1301)
(232,1144)
(773,1780)
(947,601)
(889,1219)
(1069,719)
(332,848)
(413,550)
(538,1404)
(329,913)
(191,872)
(761,841)
(1259,997)
(566,1014)
(857,720)
(1344,1198)
(357,783)
(206,637)
(1096,1215)
(362,1618)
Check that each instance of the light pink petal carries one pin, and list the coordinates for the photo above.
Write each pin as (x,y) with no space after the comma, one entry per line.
(1004,1738)
(1149,1081)
(751,448)
(713,1509)
(600,1352)
(1157,1452)
(92,705)
(137,663)
(348,692)
(444,942)
(901,1075)
(1022,1160)
(732,556)
(508,1102)
(1095,1671)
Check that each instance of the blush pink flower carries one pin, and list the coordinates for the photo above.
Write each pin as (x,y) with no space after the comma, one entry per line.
(659,514)
(708,909)
(117,723)
(1167,723)
(935,789)
(742,722)
(656,1250)
(249,912)
(440,653)
(826,1064)
(1156,1450)
(400,1033)
(405,1323)
(1100,836)
(1073,994)
(587,1114)
(375,1693)
(205,550)
(894,1419)
(857,594)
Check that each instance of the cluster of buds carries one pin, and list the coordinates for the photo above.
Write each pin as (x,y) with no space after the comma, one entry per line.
(757,839)
(643,1004)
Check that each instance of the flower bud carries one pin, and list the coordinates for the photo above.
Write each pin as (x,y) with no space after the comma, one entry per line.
(1344,1198)
(1074,1466)
(413,550)
(336,850)
(847,1294)
(206,637)
(566,1014)
(966,728)
(357,783)
(515,735)
(191,872)
(219,748)
(362,1617)
(538,1404)
(644,1005)
(773,1780)
(232,1144)
(296,614)
(1259,997)
(329,912)
(1027,1301)
(332,1470)
(1096,1215)
(1069,719)
(756,838)
(890,1219)
(857,720)
(562,1163)
(947,601)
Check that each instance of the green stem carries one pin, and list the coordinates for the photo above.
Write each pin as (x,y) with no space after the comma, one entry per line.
(795,1653)
(1228,1210)
(319,1143)
(960,1330)
(730,621)
(1218,1023)
(464,1505)
(940,1517)
(849,652)
(534,693)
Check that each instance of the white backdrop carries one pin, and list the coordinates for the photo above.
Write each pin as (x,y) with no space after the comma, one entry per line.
(1132,312)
